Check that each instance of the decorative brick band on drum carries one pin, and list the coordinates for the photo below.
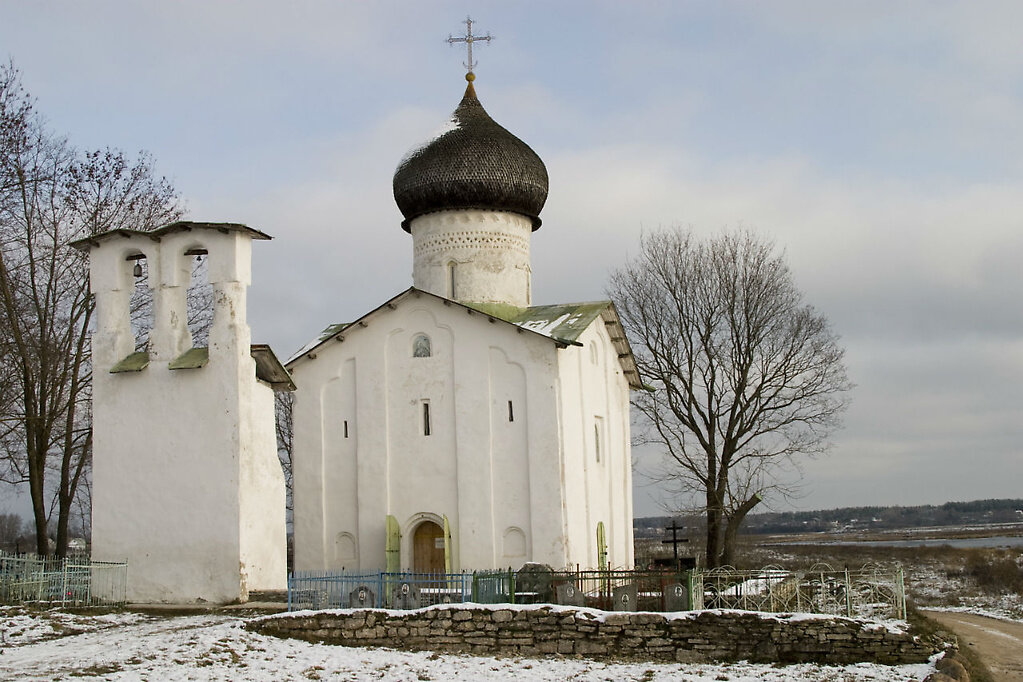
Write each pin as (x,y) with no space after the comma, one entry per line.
(696,636)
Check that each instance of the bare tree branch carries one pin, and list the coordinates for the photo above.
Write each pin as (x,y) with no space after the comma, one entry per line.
(284,408)
(50,195)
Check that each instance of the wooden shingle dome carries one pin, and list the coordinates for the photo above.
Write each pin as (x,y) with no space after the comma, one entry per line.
(474,163)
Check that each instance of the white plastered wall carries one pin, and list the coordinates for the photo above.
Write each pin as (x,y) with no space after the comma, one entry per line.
(491,477)
(186,483)
(595,397)
(473,255)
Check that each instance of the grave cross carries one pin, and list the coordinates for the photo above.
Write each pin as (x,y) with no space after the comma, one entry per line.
(675,539)
(469,39)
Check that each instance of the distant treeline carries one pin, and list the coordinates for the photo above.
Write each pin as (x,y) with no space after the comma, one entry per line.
(857,518)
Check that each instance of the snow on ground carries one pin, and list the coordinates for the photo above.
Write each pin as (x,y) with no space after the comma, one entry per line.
(128,646)
(20,626)
(932,586)
(1010,614)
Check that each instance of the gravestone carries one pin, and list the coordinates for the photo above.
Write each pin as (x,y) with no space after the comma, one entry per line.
(405,596)
(361,597)
(624,597)
(569,595)
(676,597)
(533,583)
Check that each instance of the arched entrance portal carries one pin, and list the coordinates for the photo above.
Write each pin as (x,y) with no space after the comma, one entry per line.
(428,548)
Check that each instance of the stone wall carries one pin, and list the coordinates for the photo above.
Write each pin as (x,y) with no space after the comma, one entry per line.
(543,630)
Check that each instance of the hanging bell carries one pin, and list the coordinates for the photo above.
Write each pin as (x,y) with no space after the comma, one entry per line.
(137,270)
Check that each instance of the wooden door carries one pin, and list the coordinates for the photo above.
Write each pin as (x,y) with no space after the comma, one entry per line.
(428,548)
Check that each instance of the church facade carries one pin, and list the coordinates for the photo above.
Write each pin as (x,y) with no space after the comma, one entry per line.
(458,426)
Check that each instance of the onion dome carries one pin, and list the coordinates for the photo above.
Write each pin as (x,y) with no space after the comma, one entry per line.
(473,163)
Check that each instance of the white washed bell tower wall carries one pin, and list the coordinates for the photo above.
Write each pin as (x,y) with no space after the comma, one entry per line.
(187,486)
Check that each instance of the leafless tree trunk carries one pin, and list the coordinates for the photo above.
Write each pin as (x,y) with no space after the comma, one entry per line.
(50,195)
(745,377)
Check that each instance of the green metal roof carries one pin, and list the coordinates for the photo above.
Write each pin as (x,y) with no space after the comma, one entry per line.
(564,322)
(193,358)
(136,362)
(561,323)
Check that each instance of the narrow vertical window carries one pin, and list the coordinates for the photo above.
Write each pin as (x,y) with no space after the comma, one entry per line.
(511,412)
(596,440)
(451,280)
(346,428)
(426,418)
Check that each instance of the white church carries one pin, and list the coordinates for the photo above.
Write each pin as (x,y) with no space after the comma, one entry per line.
(454,427)
(457,426)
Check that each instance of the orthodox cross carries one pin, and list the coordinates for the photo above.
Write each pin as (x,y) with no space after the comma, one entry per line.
(675,539)
(469,39)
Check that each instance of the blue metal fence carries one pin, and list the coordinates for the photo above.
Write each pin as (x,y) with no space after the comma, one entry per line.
(403,590)
(870,591)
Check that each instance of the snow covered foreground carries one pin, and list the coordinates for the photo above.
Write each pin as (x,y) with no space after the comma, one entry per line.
(128,646)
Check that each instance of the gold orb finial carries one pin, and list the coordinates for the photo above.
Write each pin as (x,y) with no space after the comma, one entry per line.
(470,76)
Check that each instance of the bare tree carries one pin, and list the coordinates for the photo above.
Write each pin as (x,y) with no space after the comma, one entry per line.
(284,407)
(744,376)
(50,195)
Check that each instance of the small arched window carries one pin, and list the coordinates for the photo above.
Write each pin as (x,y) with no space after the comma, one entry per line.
(421,347)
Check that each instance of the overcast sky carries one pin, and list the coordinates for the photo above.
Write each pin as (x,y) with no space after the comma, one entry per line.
(880,144)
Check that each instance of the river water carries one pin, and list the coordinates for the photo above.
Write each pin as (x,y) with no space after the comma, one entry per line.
(962,543)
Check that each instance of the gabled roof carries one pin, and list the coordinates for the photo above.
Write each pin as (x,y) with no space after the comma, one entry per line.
(179,226)
(561,324)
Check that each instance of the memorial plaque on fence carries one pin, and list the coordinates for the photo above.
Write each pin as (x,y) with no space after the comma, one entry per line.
(570,595)
(405,596)
(624,597)
(676,597)
(361,597)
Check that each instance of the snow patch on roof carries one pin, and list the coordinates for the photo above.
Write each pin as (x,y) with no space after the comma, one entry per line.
(545,327)
(452,124)
(320,338)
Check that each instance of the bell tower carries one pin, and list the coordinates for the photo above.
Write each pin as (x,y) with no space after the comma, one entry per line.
(187,486)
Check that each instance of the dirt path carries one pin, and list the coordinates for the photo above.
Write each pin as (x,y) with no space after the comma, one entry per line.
(999,642)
